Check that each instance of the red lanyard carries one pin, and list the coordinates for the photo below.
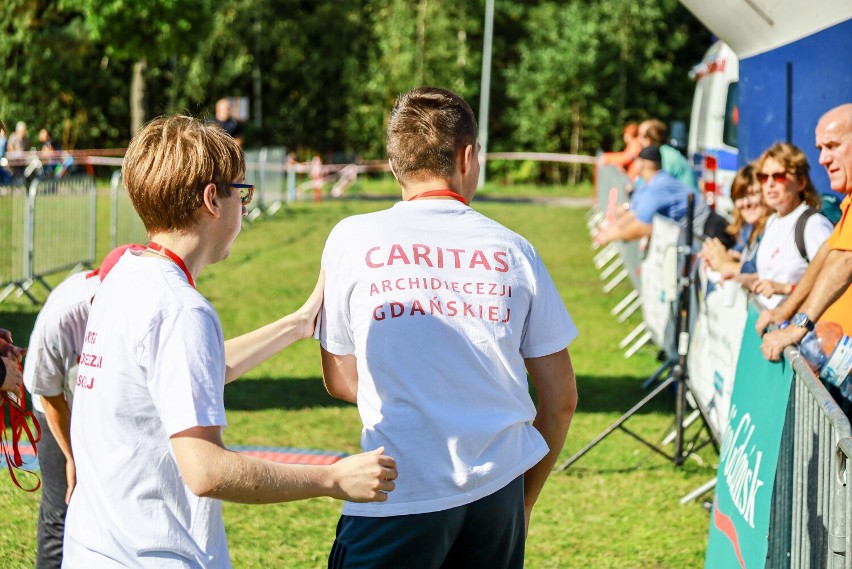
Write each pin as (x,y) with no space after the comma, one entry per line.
(441,193)
(18,416)
(174,257)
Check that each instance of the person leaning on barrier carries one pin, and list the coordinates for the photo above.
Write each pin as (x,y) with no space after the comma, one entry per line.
(50,374)
(660,194)
(750,214)
(433,316)
(146,428)
(653,132)
(794,232)
(823,293)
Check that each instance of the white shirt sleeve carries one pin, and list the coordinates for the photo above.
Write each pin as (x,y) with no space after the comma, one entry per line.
(44,372)
(817,229)
(549,327)
(188,376)
(335,329)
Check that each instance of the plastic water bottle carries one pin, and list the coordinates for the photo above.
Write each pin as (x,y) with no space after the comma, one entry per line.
(829,352)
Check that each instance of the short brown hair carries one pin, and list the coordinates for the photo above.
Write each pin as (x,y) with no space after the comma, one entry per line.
(169,162)
(426,129)
(795,162)
(656,130)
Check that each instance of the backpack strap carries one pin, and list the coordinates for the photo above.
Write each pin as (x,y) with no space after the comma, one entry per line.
(800,232)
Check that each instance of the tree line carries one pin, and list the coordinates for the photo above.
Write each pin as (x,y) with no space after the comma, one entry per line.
(321,75)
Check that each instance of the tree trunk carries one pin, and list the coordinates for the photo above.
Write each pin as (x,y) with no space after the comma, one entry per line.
(137,97)
(576,137)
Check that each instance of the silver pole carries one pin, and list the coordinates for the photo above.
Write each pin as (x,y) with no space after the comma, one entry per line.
(485,88)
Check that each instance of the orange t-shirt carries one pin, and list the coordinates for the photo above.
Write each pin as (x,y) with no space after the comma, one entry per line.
(841,238)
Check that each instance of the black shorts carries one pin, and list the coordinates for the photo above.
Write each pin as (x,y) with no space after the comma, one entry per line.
(486,533)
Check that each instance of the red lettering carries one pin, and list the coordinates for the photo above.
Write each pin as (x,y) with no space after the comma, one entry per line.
(479,259)
(435,306)
(492,313)
(508,311)
(374,289)
(379,312)
(451,308)
(440,258)
(416,307)
(418,255)
(456,253)
(370,262)
(465,286)
(386,286)
(468,310)
(500,259)
(397,254)
(397,309)
(480,288)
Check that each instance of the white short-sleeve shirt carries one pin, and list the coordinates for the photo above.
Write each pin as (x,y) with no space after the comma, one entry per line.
(778,258)
(153,365)
(441,305)
(53,352)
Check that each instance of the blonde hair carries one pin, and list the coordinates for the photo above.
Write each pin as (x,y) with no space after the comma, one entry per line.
(169,162)
(795,162)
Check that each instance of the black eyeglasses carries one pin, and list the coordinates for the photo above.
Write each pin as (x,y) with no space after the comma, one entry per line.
(246,191)
(778,177)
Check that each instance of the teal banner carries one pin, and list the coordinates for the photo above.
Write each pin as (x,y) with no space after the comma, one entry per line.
(739,524)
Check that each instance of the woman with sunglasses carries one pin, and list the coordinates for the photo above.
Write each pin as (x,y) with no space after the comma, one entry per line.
(750,214)
(783,173)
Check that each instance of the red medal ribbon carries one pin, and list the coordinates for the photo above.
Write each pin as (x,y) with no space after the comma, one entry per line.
(436,193)
(174,257)
(18,421)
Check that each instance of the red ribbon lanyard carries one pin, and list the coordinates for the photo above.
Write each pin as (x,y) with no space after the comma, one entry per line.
(174,257)
(437,193)
(18,416)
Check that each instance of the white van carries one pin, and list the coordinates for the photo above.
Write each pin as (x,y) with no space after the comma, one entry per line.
(712,144)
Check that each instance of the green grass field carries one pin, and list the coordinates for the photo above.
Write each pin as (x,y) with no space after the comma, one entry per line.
(618,507)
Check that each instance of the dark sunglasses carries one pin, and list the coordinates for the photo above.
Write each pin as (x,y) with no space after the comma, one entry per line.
(246,191)
(778,177)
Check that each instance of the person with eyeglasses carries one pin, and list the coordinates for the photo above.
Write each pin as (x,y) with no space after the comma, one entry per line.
(750,215)
(795,232)
(824,293)
(146,428)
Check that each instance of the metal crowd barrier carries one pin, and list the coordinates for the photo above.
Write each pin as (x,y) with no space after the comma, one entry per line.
(14,254)
(63,214)
(811,506)
(125,225)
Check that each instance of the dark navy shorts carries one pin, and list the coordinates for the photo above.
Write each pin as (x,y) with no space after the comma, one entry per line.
(486,533)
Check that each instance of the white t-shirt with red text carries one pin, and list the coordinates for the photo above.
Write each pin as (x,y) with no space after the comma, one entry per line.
(53,352)
(153,365)
(440,305)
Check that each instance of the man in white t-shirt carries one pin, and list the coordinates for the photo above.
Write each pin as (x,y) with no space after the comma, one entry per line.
(148,405)
(50,373)
(433,316)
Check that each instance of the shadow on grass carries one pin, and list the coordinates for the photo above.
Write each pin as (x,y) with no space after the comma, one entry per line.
(272,393)
(597,395)
(618,394)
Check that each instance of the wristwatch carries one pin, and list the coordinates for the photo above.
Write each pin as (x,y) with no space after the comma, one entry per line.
(801,320)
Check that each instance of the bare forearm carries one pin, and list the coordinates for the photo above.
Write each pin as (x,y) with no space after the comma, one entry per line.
(832,282)
(247,351)
(553,377)
(58,416)
(792,304)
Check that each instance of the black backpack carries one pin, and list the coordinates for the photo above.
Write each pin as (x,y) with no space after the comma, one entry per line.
(800,232)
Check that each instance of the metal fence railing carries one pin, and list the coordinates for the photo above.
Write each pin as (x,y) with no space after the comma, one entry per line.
(14,254)
(63,217)
(811,502)
(811,514)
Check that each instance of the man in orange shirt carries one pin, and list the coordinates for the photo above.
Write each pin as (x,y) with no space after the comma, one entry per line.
(823,293)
